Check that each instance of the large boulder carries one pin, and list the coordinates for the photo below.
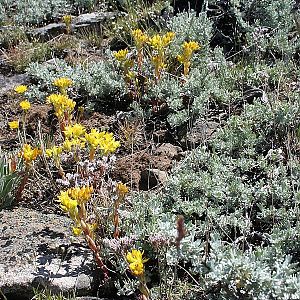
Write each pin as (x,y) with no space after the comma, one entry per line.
(37,250)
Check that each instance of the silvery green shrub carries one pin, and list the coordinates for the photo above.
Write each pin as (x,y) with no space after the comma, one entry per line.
(38,11)
(95,80)
(240,198)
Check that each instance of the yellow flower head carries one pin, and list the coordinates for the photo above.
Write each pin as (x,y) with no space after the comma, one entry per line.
(67,19)
(54,152)
(81,194)
(25,105)
(61,104)
(103,140)
(168,38)
(188,49)
(136,262)
(67,145)
(122,189)
(108,144)
(68,204)
(77,230)
(62,82)
(140,38)
(74,131)
(29,154)
(121,55)
(21,89)
(158,42)
(13,124)
(158,62)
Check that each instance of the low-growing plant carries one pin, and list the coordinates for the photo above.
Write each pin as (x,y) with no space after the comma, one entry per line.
(9,180)
(10,36)
(20,56)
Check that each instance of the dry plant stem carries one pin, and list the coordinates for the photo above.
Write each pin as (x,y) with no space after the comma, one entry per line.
(22,185)
(116,217)
(91,242)
(143,288)
(140,60)
(92,154)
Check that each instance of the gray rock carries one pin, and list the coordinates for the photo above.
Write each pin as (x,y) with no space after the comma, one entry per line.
(92,18)
(37,250)
(49,31)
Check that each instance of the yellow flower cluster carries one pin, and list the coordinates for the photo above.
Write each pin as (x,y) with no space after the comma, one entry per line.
(121,55)
(25,105)
(159,63)
(78,230)
(81,194)
(13,124)
(140,38)
(74,131)
(67,19)
(103,140)
(54,152)
(159,42)
(74,199)
(122,189)
(136,262)
(29,154)
(62,104)
(21,89)
(63,83)
(188,49)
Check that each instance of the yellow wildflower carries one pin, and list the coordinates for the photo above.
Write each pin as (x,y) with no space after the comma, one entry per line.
(122,189)
(48,152)
(68,204)
(29,154)
(77,230)
(159,42)
(67,145)
(140,38)
(74,131)
(61,104)
(81,194)
(168,38)
(21,89)
(158,62)
(67,19)
(55,151)
(25,105)
(121,55)
(13,124)
(108,144)
(62,82)
(104,140)
(136,262)
(188,49)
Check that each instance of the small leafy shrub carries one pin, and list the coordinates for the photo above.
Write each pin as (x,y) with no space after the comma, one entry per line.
(20,56)
(9,181)
(94,81)
(12,36)
(36,12)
